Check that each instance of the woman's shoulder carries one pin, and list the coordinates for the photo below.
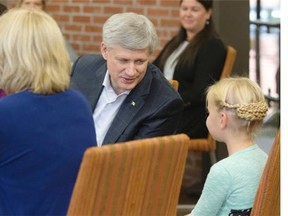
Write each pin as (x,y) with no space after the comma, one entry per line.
(76,95)
(214,47)
(216,42)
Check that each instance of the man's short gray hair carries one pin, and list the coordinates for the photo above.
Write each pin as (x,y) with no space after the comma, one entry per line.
(131,31)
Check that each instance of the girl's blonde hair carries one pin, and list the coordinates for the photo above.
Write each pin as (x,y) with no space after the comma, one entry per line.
(33,54)
(243,97)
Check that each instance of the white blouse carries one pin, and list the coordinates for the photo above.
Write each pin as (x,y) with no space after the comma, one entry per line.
(172,60)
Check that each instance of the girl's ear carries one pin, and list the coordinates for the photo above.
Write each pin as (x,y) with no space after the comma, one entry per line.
(223,120)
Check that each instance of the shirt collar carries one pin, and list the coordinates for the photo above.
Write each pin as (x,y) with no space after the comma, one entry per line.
(107,84)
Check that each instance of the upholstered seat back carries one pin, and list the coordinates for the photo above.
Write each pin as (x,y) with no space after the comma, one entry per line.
(267,200)
(141,177)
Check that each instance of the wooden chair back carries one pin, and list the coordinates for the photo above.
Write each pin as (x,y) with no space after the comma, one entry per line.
(209,144)
(267,200)
(229,62)
(140,177)
(174,83)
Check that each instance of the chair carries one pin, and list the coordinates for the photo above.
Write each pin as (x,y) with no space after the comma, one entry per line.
(267,200)
(209,144)
(174,83)
(139,177)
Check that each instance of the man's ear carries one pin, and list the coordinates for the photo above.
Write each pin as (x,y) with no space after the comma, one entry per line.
(223,120)
(104,50)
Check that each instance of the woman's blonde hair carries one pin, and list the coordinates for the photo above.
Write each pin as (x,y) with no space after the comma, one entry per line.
(33,54)
(20,2)
(243,97)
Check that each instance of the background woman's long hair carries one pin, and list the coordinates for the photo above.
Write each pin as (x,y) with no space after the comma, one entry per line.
(188,55)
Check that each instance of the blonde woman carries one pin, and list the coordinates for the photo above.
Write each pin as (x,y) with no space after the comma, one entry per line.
(45,127)
(236,109)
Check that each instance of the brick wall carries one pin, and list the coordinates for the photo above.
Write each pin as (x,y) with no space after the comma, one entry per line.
(81,20)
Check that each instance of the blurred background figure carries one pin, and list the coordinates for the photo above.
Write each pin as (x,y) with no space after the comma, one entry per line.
(3,9)
(41,5)
(45,127)
(36,4)
(195,57)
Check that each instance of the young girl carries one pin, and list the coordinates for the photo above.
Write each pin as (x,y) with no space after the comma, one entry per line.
(236,109)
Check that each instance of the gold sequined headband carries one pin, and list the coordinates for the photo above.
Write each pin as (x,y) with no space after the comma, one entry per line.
(251,111)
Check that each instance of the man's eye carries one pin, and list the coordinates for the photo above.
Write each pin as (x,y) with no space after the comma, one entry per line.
(139,62)
(123,60)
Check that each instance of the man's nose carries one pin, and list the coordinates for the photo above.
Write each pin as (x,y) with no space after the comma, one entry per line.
(131,69)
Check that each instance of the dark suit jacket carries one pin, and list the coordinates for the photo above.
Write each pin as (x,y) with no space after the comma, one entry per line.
(158,107)
(194,79)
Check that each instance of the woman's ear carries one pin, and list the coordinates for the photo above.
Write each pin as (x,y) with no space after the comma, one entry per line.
(223,120)
(209,14)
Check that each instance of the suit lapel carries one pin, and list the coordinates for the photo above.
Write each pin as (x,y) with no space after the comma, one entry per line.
(88,73)
(127,111)
(130,107)
(94,88)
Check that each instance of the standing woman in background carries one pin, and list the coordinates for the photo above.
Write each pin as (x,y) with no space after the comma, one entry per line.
(36,4)
(45,127)
(195,57)
(41,5)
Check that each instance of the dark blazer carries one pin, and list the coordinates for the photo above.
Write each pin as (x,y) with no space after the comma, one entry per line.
(193,82)
(153,108)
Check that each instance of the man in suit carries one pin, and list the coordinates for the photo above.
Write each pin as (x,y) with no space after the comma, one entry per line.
(129,97)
